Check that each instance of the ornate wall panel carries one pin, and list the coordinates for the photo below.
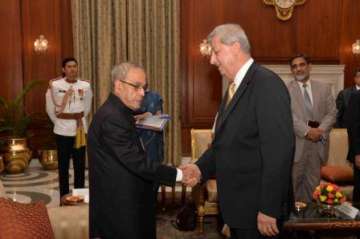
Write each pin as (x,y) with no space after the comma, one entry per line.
(323,29)
(22,21)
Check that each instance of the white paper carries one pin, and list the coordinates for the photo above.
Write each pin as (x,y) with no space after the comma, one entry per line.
(348,210)
(83,192)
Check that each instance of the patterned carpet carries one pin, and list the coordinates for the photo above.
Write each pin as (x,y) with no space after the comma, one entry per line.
(37,184)
(165,229)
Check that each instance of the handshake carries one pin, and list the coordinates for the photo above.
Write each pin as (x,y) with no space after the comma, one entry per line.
(191,174)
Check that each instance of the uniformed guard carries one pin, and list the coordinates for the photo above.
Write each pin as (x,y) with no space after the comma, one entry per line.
(68,102)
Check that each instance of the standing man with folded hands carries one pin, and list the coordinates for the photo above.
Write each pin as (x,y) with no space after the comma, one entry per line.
(68,103)
(314,113)
(251,154)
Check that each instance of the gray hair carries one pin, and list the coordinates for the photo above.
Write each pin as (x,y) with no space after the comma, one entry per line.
(230,33)
(119,72)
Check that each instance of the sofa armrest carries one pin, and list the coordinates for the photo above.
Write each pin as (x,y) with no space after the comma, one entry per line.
(70,222)
(2,190)
(337,174)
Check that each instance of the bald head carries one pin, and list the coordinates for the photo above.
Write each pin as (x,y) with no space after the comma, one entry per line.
(129,82)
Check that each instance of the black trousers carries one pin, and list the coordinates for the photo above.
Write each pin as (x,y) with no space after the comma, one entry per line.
(356,192)
(66,150)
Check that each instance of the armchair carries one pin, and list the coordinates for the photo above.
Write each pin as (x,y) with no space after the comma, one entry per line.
(2,190)
(205,196)
(337,169)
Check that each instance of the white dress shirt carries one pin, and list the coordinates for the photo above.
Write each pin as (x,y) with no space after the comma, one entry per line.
(239,77)
(308,89)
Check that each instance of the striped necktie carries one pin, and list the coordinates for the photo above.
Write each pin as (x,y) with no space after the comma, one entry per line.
(308,104)
(231,92)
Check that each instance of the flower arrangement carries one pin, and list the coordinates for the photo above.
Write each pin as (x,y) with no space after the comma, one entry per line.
(328,193)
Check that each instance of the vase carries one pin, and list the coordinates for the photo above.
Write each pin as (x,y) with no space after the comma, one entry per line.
(326,210)
(48,159)
(16,155)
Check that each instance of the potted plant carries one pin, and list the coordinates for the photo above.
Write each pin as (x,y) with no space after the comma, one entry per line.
(14,122)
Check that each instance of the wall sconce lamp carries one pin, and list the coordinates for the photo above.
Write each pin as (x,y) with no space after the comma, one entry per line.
(205,48)
(356,47)
(41,44)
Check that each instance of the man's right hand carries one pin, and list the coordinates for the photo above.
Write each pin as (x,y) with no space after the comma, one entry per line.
(314,134)
(191,174)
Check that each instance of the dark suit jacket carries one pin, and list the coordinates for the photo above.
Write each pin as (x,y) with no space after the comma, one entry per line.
(252,152)
(122,199)
(342,102)
(352,120)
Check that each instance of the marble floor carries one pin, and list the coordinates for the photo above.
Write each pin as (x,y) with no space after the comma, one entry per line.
(34,184)
(37,184)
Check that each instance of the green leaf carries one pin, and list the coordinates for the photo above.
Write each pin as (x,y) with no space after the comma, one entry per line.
(28,86)
(14,119)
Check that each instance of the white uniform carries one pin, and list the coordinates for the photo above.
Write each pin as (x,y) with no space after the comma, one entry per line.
(78,101)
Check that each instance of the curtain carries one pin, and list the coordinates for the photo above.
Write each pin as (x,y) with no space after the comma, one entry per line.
(109,32)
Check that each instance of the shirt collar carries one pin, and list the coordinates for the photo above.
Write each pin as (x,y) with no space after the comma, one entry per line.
(242,72)
(308,85)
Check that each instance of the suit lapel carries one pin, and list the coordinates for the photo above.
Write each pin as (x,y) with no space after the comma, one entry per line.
(221,112)
(239,92)
(298,96)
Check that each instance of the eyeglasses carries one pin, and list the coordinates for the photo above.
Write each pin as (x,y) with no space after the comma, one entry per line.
(136,87)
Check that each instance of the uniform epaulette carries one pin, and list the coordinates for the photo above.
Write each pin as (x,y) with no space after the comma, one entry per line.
(85,80)
(54,79)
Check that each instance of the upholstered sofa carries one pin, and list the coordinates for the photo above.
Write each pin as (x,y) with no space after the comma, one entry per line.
(68,222)
(337,169)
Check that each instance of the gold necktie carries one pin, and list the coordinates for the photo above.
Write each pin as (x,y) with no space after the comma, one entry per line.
(231,92)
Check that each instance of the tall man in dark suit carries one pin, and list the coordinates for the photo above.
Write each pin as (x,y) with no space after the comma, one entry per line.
(122,202)
(342,100)
(252,151)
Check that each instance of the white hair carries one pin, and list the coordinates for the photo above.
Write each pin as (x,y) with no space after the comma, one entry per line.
(119,72)
(230,33)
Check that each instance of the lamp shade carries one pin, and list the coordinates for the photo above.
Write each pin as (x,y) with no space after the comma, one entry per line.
(356,47)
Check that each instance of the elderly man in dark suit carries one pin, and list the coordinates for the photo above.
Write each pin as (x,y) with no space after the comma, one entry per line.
(343,98)
(252,151)
(122,202)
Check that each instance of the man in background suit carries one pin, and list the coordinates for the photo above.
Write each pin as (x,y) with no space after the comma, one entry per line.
(252,150)
(313,109)
(352,121)
(122,202)
(342,100)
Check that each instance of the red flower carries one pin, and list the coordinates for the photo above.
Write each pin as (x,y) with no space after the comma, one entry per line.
(327,193)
